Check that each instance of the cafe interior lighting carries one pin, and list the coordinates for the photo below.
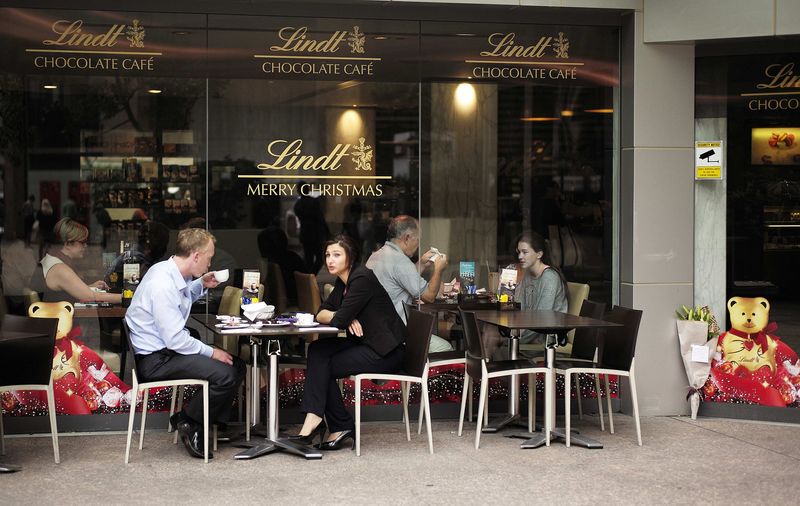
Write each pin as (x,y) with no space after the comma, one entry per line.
(537,119)
(600,111)
(154,91)
(566,113)
(50,86)
(350,125)
(465,98)
(172,190)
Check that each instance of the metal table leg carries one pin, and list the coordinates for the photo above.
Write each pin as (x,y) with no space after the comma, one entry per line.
(538,439)
(272,442)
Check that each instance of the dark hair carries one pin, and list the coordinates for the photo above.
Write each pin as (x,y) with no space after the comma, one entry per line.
(349,246)
(272,241)
(539,243)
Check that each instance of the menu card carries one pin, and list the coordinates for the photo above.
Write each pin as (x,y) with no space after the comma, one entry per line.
(508,283)
(250,281)
(466,272)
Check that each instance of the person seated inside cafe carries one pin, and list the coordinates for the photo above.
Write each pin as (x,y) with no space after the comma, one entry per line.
(543,286)
(152,241)
(56,276)
(375,343)
(393,267)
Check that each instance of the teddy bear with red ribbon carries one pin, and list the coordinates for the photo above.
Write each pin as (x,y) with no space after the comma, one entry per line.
(751,363)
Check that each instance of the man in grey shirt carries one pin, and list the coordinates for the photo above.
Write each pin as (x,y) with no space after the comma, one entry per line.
(399,276)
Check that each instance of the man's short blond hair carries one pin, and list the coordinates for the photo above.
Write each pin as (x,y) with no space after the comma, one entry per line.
(191,240)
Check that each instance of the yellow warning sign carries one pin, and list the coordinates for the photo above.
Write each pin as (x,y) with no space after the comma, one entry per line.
(708,160)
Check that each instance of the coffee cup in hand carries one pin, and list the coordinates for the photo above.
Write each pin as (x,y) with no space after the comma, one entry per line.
(222,276)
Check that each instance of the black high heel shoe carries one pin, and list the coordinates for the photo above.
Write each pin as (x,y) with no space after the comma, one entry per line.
(308,440)
(338,443)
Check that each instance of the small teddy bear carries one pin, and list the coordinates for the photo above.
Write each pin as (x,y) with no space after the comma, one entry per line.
(751,364)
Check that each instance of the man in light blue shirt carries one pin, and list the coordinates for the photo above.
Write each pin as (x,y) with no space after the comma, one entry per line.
(164,348)
(399,276)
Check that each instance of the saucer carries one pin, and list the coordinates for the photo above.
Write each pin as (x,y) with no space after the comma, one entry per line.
(229,326)
(312,324)
(276,324)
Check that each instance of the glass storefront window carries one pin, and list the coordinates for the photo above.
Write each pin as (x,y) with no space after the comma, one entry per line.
(277,133)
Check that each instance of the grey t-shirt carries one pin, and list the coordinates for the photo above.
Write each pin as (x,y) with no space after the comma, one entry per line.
(398,275)
(543,293)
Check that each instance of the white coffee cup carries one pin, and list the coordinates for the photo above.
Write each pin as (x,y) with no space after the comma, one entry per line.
(305,318)
(222,276)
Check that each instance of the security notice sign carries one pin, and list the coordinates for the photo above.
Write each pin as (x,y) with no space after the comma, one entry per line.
(707,160)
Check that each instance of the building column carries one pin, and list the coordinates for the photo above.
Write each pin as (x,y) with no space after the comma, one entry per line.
(656,209)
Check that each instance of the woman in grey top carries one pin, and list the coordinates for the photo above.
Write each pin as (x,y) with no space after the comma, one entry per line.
(543,287)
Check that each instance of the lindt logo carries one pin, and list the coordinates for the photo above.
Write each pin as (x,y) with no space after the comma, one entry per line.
(288,155)
(781,76)
(296,40)
(506,45)
(72,33)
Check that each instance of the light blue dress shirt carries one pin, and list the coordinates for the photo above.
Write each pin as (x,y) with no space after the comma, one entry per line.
(159,310)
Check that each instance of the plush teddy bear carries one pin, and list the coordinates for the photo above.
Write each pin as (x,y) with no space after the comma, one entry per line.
(81,380)
(751,364)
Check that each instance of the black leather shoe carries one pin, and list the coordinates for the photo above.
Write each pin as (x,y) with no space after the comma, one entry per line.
(193,440)
(176,419)
(309,439)
(339,442)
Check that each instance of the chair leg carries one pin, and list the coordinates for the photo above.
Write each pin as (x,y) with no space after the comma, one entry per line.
(358,416)
(531,402)
(481,403)
(2,435)
(578,395)
(635,409)
(51,408)
(608,403)
(205,423)
(170,428)
(179,408)
(403,398)
(567,392)
(465,392)
(214,430)
(131,417)
(599,393)
(469,393)
(144,417)
(405,409)
(425,405)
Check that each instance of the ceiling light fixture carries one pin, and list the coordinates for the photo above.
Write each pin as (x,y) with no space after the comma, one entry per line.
(154,91)
(601,111)
(539,118)
(50,86)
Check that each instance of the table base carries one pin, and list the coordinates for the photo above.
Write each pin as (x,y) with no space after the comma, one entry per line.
(538,439)
(493,427)
(267,446)
(8,468)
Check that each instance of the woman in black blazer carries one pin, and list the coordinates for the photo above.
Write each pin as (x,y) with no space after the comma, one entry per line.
(374,343)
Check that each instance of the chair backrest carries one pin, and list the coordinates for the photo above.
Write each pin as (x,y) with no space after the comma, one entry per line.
(585,341)
(126,335)
(619,344)
(28,361)
(577,293)
(231,302)
(276,288)
(475,352)
(420,328)
(308,299)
